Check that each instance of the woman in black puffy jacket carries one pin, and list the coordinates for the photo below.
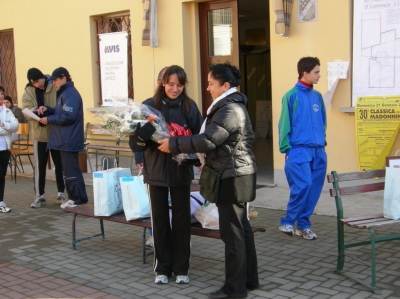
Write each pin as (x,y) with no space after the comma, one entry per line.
(164,175)
(226,124)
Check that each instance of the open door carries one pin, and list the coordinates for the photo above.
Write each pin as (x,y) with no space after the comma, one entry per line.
(219,40)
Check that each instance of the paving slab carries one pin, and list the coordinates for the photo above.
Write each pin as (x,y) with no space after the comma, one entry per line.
(37,259)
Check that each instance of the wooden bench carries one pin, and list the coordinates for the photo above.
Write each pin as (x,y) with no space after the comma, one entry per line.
(368,222)
(111,146)
(88,211)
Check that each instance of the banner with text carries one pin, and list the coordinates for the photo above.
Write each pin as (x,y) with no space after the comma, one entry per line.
(377,125)
(113,67)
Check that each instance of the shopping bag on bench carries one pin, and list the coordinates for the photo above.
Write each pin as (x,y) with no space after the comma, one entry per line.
(134,198)
(208,216)
(107,191)
(391,196)
(196,200)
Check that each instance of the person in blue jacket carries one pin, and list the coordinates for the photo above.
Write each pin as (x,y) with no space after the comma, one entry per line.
(67,134)
(302,138)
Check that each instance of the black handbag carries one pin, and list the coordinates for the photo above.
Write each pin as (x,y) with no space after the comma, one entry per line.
(209,184)
(210,179)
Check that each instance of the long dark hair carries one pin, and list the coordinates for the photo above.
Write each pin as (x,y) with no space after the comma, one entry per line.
(160,91)
(225,72)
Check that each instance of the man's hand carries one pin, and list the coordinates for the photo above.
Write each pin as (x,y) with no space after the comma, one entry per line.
(43,120)
(41,110)
(164,145)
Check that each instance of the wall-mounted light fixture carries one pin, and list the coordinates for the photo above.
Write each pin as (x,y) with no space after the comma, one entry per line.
(283,11)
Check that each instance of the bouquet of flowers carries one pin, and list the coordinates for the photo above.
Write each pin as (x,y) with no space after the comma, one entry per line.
(122,121)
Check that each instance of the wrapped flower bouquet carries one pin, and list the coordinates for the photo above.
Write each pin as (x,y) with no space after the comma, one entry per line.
(122,121)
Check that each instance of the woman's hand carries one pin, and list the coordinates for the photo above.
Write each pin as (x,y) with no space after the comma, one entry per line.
(164,145)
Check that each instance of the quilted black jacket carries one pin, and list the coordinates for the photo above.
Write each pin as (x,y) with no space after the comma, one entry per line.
(225,122)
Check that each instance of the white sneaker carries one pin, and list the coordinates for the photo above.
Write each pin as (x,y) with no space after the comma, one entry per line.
(38,202)
(149,242)
(69,203)
(182,279)
(61,197)
(286,229)
(161,279)
(3,207)
(306,233)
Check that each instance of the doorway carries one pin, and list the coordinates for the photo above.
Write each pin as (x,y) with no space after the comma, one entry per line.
(238,31)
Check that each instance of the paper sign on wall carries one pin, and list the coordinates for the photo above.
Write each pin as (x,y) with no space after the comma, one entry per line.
(336,70)
(113,66)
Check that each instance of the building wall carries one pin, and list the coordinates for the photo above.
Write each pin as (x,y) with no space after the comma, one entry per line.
(48,35)
(329,39)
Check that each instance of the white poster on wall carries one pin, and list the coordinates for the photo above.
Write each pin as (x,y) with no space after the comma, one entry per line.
(113,49)
(376,48)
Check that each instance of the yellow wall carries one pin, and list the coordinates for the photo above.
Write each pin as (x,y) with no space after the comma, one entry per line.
(329,39)
(48,35)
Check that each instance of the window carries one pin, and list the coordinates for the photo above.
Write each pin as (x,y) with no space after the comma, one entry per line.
(108,24)
(8,79)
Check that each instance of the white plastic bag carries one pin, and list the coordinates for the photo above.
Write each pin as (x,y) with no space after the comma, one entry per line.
(107,191)
(135,199)
(196,200)
(207,215)
(391,198)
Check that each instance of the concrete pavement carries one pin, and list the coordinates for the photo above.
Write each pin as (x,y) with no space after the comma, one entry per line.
(37,261)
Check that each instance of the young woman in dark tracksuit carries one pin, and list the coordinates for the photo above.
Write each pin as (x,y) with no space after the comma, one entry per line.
(165,176)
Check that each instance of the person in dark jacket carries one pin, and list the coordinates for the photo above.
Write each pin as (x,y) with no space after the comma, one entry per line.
(228,123)
(164,175)
(67,134)
(139,158)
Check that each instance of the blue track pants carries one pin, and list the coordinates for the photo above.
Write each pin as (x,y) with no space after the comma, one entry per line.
(305,170)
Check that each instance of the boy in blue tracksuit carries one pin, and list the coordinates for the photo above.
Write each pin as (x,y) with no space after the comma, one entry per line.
(302,128)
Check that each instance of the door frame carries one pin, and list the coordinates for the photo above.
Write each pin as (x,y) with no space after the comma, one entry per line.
(205,59)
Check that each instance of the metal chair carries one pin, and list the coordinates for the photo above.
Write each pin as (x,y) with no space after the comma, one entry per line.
(21,147)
